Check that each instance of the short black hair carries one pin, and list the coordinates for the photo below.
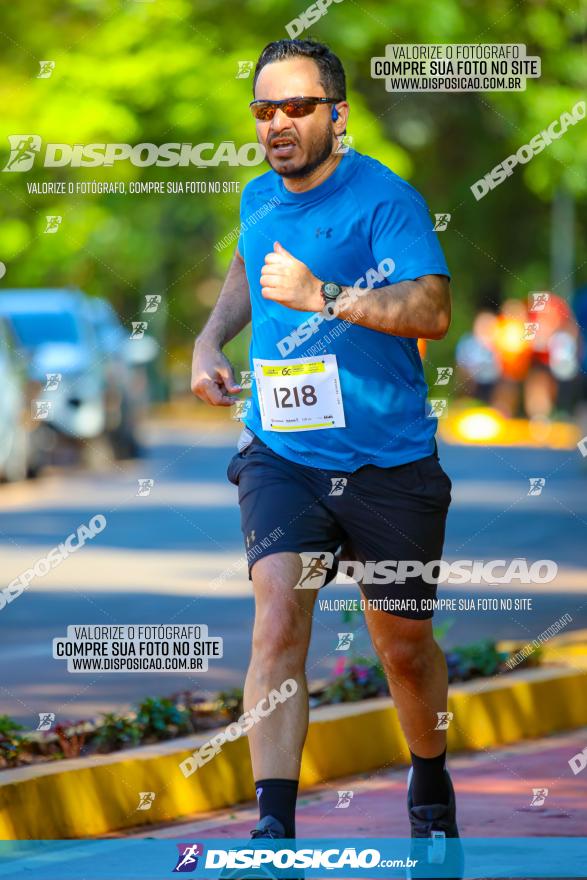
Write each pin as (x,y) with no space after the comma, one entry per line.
(332,77)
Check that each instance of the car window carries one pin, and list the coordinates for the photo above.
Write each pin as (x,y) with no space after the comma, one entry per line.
(36,328)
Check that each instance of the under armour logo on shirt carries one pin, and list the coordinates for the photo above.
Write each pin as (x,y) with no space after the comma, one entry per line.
(327,233)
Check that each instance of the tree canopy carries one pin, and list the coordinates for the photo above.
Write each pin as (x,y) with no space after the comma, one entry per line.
(160,72)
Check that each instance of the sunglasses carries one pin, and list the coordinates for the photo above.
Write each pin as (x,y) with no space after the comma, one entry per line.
(294,108)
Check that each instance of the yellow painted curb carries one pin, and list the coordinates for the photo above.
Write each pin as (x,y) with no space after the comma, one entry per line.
(94,796)
(569,649)
(482,426)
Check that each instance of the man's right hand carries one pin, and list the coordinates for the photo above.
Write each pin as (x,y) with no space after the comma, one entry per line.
(212,376)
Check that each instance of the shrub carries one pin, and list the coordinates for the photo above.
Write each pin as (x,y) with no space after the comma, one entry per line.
(362,678)
(479,658)
(117,731)
(160,718)
(11,743)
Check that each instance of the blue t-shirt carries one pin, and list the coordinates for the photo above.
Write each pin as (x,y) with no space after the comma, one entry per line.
(361,222)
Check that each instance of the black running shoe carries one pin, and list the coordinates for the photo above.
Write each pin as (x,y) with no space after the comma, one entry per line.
(267,828)
(432,825)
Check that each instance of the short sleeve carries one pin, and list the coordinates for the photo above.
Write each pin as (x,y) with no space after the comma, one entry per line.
(402,230)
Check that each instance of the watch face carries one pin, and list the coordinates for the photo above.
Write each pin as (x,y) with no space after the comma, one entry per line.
(331,289)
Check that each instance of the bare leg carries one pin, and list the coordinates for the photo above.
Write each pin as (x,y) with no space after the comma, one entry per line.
(283,625)
(416,671)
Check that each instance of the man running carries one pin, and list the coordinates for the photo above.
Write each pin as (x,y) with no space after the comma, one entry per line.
(340,272)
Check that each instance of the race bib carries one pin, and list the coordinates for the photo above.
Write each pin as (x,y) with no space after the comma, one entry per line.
(301,394)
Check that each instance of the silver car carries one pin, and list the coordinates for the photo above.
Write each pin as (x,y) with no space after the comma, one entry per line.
(14,441)
(65,367)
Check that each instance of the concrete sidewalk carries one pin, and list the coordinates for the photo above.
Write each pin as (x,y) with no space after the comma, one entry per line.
(494,794)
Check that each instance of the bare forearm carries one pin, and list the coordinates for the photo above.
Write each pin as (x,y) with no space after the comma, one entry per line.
(232,311)
(419,308)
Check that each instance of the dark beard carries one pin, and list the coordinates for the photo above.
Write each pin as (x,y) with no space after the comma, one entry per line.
(323,152)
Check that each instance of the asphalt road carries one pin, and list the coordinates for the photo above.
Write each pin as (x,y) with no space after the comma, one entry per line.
(159,556)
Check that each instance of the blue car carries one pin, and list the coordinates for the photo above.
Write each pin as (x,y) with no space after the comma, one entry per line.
(74,391)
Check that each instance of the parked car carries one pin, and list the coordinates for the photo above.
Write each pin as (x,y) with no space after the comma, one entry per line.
(73,385)
(125,361)
(14,441)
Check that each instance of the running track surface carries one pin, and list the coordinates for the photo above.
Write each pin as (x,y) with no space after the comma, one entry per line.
(494,791)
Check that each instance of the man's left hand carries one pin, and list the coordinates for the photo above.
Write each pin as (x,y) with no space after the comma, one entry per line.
(289,281)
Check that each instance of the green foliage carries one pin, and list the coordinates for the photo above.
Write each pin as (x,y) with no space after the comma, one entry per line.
(348,615)
(166,72)
(8,726)
(363,677)
(160,718)
(11,743)
(117,731)
(478,658)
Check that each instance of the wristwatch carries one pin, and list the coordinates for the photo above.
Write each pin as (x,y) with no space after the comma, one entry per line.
(330,291)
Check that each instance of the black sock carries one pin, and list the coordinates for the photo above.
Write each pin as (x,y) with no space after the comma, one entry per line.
(277,797)
(429,785)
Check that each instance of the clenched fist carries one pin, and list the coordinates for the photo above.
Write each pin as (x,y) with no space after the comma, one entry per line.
(289,281)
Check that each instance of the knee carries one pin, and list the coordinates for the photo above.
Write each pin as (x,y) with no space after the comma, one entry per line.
(278,641)
(407,660)
(282,618)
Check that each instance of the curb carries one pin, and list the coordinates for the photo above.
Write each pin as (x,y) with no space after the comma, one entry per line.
(99,795)
(482,425)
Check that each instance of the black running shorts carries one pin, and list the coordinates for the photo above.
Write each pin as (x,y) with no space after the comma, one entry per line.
(389,522)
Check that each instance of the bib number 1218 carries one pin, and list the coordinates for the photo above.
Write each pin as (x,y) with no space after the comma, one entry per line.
(307,394)
(299,394)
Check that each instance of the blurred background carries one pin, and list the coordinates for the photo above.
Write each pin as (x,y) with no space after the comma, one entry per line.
(99,310)
(157,73)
